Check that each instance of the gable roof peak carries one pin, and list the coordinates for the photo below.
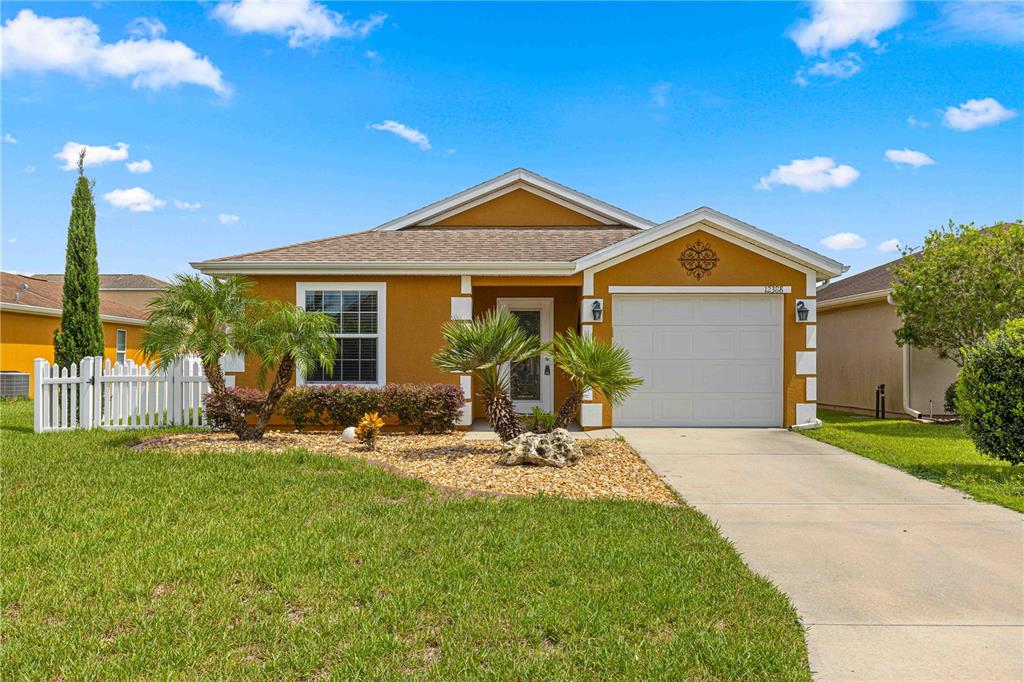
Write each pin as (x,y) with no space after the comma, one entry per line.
(520,178)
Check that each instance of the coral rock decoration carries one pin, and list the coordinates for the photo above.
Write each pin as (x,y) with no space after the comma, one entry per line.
(555,449)
(698,259)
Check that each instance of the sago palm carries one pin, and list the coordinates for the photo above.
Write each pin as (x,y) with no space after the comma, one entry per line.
(483,346)
(591,364)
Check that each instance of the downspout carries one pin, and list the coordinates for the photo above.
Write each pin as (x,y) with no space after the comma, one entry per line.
(906,374)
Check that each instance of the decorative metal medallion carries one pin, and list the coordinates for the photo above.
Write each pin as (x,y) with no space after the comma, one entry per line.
(698,259)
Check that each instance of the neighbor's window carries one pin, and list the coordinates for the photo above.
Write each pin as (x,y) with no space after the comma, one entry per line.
(122,346)
(358,318)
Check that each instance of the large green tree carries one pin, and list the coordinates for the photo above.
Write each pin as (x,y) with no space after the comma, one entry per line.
(963,283)
(81,332)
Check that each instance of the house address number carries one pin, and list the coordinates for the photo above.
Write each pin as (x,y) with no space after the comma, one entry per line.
(774,289)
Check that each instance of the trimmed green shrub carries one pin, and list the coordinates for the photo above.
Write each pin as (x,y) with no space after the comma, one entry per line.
(949,400)
(990,393)
(250,402)
(428,408)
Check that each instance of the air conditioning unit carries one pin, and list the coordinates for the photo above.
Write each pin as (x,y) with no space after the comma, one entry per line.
(14,384)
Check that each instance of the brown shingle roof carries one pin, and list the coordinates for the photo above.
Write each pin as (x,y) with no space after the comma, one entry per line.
(120,281)
(878,278)
(468,245)
(48,294)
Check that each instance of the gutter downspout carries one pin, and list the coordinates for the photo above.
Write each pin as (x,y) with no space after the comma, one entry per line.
(906,374)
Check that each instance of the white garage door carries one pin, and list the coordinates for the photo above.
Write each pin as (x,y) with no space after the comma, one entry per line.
(705,360)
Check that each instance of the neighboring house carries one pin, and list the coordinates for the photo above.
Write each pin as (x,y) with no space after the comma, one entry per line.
(133,290)
(856,321)
(705,304)
(30,310)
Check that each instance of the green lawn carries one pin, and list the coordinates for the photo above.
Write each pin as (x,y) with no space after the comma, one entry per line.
(119,564)
(940,453)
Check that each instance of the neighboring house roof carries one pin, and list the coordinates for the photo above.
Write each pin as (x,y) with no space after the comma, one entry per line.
(392,248)
(36,295)
(124,282)
(877,279)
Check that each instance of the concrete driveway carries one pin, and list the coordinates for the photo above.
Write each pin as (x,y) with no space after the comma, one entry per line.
(894,578)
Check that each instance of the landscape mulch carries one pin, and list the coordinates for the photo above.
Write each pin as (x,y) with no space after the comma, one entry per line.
(608,468)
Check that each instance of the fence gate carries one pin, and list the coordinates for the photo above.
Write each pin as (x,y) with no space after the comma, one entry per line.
(96,394)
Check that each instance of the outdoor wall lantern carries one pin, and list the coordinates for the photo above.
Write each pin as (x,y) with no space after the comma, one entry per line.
(596,310)
(801,311)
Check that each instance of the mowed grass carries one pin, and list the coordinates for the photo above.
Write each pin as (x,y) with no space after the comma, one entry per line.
(939,453)
(119,564)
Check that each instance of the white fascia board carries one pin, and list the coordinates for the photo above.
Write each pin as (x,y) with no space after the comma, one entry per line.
(522,177)
(822,265)
(546,268)
(853,299)
(56,312)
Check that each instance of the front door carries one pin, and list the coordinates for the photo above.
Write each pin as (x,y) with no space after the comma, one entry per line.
(532,381)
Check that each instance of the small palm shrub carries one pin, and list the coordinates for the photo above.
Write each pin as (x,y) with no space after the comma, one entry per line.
(990,393)
(369,429)
(248,400)
(483,346)
(591,364)
(539,421)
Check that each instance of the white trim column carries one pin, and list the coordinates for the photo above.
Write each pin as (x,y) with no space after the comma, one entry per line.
(462,309)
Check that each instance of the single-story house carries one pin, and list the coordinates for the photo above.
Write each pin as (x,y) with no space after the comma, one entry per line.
(132,289)
(717,315)
(856,324)
(30,310)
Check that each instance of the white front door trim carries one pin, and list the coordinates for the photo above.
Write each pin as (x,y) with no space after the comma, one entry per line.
(546,307)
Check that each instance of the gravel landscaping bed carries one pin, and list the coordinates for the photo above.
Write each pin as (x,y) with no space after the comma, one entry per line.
(608,468)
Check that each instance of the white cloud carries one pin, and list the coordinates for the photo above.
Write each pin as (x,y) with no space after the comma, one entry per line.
(187,206)
(660,93)
(304,22)
(915,122)
(143,166)
(94,155)
(842,241)
(846,67)
(371,54)
(976,113)
(28,169)
(408,134)
(12,240)
(72,45)
(136,200)
(909,157)
(8,138)
(227,219)
(889,246)
(838,24)
(146,27)
(995,22)
(816,174)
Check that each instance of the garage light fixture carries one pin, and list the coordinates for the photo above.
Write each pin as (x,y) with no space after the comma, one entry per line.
(596,310)
(802,311)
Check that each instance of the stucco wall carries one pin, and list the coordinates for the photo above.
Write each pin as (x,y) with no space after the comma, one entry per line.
(25,337)
(518,208)
(856,352)
(929,378)
(416,308)
(737,266)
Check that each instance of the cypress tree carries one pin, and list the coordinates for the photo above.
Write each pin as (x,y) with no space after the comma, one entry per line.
(81,332)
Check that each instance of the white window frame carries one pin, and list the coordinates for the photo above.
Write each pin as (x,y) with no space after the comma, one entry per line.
(121,353)
(382,317)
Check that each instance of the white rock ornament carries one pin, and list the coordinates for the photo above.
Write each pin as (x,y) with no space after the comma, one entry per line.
(349,435)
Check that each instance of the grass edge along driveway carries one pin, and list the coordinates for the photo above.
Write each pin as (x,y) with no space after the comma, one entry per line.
(941,453)
(121,564)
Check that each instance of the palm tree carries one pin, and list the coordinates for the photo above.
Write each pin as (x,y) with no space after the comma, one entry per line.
(591,364)
(209,318)
(484,346)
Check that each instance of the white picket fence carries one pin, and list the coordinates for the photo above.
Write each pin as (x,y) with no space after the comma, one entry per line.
(96,394)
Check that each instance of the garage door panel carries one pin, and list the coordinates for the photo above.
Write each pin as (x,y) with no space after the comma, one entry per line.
(705,360)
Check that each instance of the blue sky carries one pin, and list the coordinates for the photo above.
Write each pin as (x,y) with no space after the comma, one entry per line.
(258,121)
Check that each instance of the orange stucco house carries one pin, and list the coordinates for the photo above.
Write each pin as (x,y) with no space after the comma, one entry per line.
(718,315)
